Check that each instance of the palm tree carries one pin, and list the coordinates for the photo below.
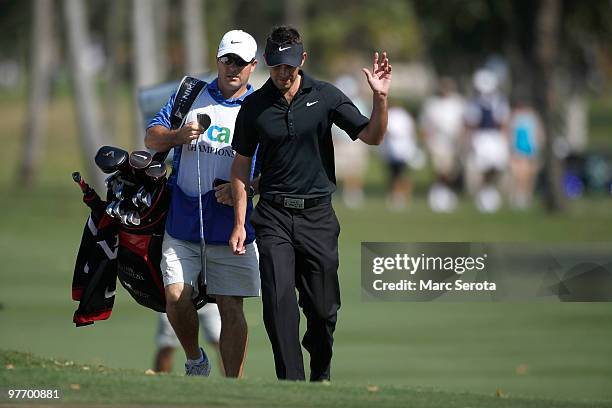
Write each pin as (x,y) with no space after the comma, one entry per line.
(42,53)
(91,135)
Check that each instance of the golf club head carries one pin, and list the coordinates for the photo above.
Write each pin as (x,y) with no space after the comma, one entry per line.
(124,218)
(109,208)
(135,200)
(117,209)
(110,181)
(146,200)
(140,159)
(134,218)
(110,159)
(140,193)
(119,191)
(156,171)
(204,120)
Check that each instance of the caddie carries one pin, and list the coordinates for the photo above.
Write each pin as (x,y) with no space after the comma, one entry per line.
(228,278)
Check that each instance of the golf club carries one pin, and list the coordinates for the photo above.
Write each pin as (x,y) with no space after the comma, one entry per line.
(156,171)
(119,191)
(142,195)
(110,159)
(117,209)
(90,196)
(146,200)
(111,181)
(134,218)
(124,218)
(109,208)
(139,160)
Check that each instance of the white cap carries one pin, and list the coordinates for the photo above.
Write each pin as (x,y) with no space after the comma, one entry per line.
(485,81)
(238,42)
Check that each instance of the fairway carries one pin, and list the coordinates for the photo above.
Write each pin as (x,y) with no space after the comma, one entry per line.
(552,351)
(84,384)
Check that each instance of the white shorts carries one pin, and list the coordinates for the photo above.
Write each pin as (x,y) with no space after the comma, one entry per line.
(226,273)
(444,156)
(490,150)
(210,324)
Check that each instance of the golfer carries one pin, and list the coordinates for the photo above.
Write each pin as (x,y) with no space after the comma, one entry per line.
(229,279)
(290,118)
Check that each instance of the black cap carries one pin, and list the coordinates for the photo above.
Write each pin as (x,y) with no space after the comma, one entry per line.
(287,54)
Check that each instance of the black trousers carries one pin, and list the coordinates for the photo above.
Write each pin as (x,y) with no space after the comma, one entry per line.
(298,249)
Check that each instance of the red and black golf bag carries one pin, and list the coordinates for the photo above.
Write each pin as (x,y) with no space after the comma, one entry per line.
(123,235)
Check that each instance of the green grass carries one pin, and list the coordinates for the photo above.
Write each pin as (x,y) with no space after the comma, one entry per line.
(419,354)
(80,384)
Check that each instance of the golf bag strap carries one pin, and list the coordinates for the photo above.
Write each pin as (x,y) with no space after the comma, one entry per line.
(187,92)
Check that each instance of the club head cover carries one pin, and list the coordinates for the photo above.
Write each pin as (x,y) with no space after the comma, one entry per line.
(110,159)
(204,121)
(140,159)
(156,171)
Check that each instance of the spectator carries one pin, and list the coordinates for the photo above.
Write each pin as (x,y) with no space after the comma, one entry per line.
(486,118)
(351,158)
(399,149)
(442,124)
(166,340)
(525,133)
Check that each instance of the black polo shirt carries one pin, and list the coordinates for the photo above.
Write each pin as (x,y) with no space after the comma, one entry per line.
(296,153)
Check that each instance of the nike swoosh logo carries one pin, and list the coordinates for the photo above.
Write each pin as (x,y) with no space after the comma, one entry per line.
(283,48)
(311,103)
(236,42)
(140,155)
(108,294)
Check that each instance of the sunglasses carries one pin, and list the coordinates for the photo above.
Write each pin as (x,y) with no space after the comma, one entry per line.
(234,59)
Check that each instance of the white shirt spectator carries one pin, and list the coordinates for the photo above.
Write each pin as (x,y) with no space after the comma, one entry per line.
(399,144)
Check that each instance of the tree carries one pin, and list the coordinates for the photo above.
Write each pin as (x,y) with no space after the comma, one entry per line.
(91,134)
(42,50)
(194,37)
(146,68)
(114,37)
(544,41)
(545,95)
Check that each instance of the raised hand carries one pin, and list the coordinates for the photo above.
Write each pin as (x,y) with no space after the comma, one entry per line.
(379,78)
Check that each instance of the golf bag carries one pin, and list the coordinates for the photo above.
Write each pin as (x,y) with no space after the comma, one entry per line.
(95,272)
(139,254)
(123,237)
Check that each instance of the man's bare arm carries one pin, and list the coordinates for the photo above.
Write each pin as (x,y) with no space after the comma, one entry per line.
(379,79)
(374,132)
(162,139)
(241,167)
(224,195)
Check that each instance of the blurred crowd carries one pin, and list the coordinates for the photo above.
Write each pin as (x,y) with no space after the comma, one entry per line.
(480,145)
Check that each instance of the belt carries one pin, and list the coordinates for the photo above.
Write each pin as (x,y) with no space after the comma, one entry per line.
(296,203)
